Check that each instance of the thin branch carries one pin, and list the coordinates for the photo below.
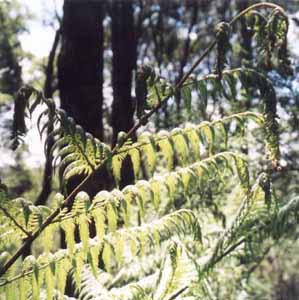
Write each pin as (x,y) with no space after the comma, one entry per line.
(179,292)
(8,215)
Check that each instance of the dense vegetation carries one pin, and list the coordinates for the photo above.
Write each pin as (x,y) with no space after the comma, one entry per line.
(192,210)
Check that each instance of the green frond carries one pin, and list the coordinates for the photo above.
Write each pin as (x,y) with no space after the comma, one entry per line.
(148,244)
(180,142)
(177,271)
(148,150)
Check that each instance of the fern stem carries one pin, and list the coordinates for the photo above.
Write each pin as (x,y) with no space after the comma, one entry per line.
(254,6)
(5,211)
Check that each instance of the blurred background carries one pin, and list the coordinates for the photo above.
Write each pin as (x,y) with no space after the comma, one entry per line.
(84,54)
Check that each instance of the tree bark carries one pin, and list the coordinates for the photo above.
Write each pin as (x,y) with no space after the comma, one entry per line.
(80,65)
(124,47)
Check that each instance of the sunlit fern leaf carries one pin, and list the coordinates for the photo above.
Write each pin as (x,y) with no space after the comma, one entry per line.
(62,269)
(111,216)
(99,217)
(50,277)
(177,271)
(145,191)
(165,146)
(77,266)
(36,216)
(69,228)
(134,196)
(156,189)
(135,158)
(193,140)
(107,256)
(22,289)
(148,150)
(117,161)
(127,205)
(180,144)
(47,238)
(185,176)
(207,131)
(171,182)
(30,262)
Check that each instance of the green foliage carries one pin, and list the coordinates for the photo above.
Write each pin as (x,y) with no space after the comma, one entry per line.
(159,237)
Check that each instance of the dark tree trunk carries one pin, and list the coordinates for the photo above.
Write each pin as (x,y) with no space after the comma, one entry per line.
(80,75)
(124,61)
(80,65)
(124,47)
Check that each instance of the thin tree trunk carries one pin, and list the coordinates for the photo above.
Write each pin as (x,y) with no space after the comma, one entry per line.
(123,64)
(80,65)
(124,47)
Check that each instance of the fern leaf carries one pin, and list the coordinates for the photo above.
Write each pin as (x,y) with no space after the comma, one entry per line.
(93,259)
(107,256)
(119,249)
(155,186)
(242,170)
(77,264)
(50,278)
(187,97)
(99,217)
(22,289)
(193,140)
(166,148)
(177,271)
(69,228)
(148,150)
(180,145)
(62,270)
(30,261)
(208,132)
(117,161)
(135,158)
(111,217)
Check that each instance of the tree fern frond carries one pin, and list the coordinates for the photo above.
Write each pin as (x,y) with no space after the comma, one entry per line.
(79,151)
(180,142)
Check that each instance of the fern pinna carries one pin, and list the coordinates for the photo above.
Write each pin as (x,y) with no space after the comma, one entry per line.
(157,238)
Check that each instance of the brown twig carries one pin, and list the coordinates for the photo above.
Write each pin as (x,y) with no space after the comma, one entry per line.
(8,215)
